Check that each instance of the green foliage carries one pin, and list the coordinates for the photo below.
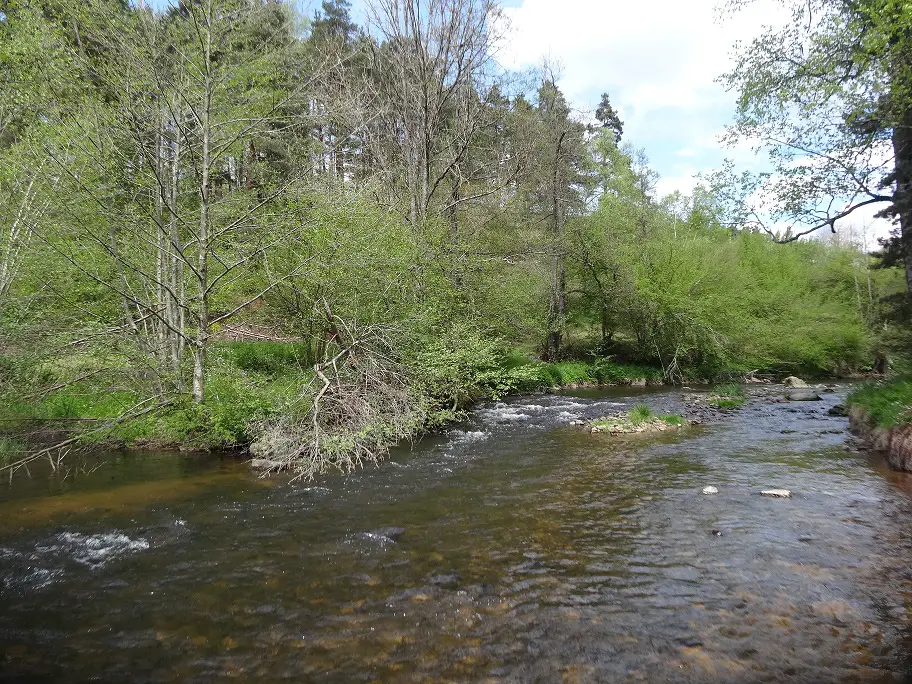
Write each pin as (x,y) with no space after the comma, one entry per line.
(270,358)
(888,403)
(460,366)
(673,419)
(314,227)
(569,373)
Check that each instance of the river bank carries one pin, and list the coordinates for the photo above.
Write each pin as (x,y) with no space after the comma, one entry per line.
(879,414)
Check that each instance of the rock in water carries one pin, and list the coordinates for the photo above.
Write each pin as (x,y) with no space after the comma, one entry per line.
(839,410)
(710,490)
(809,395)
(792,381)
(777,493)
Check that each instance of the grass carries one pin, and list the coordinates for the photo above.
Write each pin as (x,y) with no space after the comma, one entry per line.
(889,403)
(728,395)
(639,414)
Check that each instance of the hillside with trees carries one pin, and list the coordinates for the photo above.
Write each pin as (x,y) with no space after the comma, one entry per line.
(224,225)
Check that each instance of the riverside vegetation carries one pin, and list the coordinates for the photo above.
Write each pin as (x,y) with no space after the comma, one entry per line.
(224,224)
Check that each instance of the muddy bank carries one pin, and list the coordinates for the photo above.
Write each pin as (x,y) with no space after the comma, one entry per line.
(895,443)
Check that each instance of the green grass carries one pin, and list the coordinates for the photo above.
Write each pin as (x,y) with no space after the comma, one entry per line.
(889,404)
(728,395)
(640,414)
(673,419)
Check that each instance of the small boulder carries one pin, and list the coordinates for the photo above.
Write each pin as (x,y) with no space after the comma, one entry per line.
(777,493)
(710,490)
(638,382)
(792,381)
(808,395)
(839,410)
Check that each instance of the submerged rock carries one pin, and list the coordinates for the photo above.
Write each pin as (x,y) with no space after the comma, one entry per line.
(776,493)
(792,381)
(839,410)
(809,395)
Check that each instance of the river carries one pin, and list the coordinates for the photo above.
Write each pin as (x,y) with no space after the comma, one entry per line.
(513,548)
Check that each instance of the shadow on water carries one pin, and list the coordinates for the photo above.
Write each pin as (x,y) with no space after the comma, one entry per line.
(514,548)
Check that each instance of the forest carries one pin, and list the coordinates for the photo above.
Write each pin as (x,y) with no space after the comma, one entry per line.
(223,224)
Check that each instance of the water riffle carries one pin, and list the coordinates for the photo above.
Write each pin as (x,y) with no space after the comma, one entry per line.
(514,547)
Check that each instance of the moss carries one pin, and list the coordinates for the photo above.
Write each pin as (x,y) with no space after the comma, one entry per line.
(888,403)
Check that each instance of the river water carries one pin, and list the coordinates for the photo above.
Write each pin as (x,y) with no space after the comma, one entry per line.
(514,548)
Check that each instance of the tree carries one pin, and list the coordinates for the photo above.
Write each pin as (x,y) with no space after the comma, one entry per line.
(168,196)
(830,96)
(426,73)
(561,154)
(609,118)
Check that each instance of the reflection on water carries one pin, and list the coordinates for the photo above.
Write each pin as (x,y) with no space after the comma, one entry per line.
(514,548)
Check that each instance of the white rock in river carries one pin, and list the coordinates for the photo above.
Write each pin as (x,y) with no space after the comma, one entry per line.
(777,493)
(710,490)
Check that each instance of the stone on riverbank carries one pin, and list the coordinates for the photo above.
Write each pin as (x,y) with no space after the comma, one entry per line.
(839,410)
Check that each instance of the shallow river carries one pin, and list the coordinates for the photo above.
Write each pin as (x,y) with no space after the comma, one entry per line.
(526,550)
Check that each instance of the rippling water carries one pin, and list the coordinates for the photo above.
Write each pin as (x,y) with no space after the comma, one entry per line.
(514,548)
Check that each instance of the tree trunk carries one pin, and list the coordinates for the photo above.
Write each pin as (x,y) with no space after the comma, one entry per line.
(202,329)
(902,195)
